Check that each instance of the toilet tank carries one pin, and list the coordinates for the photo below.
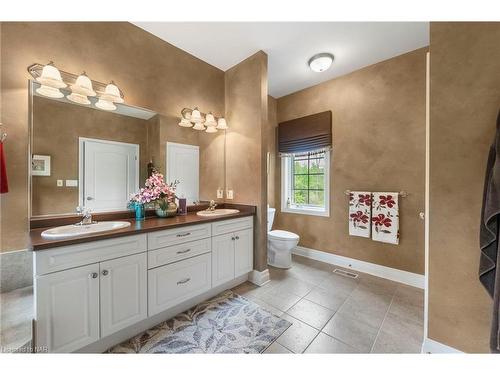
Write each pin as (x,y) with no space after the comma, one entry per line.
(270,217)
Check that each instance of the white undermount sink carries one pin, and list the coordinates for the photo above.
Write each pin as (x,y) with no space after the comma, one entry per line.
(217,212)
(75,230)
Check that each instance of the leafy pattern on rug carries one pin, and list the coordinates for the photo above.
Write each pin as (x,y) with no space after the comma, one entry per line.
(227,323)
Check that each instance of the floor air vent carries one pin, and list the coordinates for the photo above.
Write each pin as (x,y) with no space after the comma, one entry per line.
(345,273)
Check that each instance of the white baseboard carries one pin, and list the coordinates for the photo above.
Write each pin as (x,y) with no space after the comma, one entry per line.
(259,278)
(434,347)
(393,274)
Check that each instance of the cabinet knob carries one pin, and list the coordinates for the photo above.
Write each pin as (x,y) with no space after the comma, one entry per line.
(237,237)
(94,275)
(232,238)
(105,272)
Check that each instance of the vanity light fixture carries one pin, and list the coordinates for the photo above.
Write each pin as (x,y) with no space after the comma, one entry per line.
(52,80)
(81,90)
(201,121)
(320,62)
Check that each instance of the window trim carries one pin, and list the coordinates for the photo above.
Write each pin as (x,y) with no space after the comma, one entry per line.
(286,181)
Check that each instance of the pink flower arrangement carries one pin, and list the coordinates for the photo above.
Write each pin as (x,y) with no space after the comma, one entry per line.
(155,190)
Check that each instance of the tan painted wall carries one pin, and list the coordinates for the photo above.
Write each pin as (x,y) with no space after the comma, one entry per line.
(246,143)
(465,99)
(378,145)
(271,149)
(57,127)
(152,74)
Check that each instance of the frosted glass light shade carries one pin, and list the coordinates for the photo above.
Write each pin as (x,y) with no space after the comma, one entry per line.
(51,76)
(320,62)
(105,105)
(196,116)
(78,98)
(49,92)
(112,94)
(185,123)
(199,126)
(222,124)
(83,86)
(210,121)
(211,129)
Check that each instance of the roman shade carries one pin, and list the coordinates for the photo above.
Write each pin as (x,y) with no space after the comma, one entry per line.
(311,133)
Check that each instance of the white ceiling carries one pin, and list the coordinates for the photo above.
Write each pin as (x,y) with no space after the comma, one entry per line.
(289,45)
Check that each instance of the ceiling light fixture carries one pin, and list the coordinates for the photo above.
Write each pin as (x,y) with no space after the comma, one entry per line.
(320,62)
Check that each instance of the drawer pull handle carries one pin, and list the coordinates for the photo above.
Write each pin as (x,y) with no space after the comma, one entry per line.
(184,235)
(184,281)
(183,251)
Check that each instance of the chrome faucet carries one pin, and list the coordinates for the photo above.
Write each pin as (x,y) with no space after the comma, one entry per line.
(212,205)
(86,214)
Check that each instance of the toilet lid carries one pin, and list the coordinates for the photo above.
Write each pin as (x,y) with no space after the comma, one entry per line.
(282,235)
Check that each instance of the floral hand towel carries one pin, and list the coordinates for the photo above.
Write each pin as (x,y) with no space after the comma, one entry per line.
(385,218)
(359,213)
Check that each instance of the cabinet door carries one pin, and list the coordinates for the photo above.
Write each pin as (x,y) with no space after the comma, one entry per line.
(123,292)
(243,252)
(222,259)
(67,309)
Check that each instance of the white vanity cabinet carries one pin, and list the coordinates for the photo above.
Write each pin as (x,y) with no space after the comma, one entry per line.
(87,292)
(232,249)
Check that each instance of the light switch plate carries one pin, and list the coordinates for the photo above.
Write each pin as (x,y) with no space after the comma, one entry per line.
(229,194)
(71,183)
(59,183)
(220,193)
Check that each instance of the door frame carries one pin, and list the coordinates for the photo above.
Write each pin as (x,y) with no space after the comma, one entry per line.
(81,157)
(183,145)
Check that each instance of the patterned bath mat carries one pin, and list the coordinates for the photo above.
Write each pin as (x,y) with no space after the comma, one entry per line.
(227,323)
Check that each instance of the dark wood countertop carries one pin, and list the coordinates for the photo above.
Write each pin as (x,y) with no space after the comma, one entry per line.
(151,224)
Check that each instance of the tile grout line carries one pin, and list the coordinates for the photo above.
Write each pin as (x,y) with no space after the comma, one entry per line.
(383,321)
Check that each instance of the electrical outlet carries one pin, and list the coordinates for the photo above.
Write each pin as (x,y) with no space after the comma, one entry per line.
(72,183)
(229,194)
(220,193)
(59,183)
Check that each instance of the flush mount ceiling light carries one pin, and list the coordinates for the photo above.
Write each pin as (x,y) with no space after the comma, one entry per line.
(320,62)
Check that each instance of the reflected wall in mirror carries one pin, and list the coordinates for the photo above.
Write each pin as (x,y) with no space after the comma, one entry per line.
(98,158)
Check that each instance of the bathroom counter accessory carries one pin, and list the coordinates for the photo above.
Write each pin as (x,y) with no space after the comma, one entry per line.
(151,224)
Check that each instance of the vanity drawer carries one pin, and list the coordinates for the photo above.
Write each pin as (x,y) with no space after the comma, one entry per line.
(62,258)
(228,226)
(157,240)
(179,252)
(177,282)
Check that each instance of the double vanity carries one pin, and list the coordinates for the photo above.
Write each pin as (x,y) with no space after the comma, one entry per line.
(96,290)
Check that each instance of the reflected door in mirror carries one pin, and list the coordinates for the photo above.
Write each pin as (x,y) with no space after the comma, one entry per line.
(110,174)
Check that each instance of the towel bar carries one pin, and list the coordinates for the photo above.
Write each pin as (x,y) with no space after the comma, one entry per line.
(402,194)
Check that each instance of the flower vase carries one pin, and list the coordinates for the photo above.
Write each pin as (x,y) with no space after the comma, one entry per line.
(140,212)
(169,211)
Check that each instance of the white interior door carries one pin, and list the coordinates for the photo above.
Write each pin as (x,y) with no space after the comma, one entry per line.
(183,164)
(110,173)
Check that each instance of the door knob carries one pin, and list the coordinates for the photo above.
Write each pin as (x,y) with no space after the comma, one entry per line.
(105,272)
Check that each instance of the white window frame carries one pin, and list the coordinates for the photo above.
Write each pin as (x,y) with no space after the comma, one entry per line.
(286,183)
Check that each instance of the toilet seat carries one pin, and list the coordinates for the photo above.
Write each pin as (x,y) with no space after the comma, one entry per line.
(282,235)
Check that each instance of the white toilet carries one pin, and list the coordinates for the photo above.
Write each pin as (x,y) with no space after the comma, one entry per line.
(280,244)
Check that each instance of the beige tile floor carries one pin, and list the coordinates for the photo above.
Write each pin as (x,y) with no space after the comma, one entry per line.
(335,314)
(16,313)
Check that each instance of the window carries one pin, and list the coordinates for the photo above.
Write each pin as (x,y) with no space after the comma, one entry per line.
(305,183)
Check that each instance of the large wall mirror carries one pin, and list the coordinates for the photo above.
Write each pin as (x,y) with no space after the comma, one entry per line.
(85,156)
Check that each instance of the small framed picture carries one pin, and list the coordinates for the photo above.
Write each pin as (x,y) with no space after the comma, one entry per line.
(40,165)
